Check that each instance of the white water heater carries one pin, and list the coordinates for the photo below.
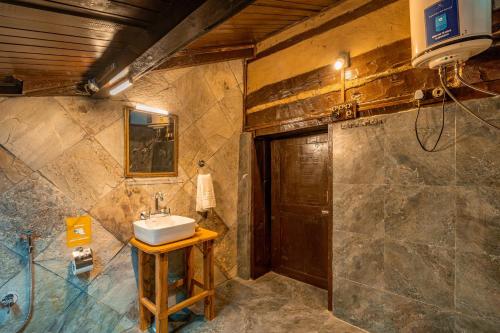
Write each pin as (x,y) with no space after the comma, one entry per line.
(447,31)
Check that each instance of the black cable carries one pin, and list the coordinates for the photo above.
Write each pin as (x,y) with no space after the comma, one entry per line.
(442,70)
(440,133)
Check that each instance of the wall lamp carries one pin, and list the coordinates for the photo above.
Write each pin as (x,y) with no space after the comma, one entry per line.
(342,61)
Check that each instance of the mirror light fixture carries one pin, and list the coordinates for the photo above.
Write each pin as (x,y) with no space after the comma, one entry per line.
(147,108)
(342,61)
(120,87)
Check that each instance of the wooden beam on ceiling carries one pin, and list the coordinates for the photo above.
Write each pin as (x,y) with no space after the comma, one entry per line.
(138,59)
(188,58)
(83,9)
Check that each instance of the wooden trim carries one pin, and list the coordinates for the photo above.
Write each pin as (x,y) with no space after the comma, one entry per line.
(372,108)
(208,279)
(245,90)
(149,305)
(130,174)
(161,291)
(184,304)
(333,23)
(187,59)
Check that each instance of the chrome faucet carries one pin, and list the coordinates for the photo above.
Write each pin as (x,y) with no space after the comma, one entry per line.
(158,197)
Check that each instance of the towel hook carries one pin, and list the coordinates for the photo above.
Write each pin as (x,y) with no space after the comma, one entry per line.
(201,163)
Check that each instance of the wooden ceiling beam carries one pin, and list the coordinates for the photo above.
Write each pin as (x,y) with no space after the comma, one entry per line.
(189,57)
(139,60)
(80,11)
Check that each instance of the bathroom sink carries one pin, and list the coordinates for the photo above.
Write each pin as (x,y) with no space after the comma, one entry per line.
(162,229)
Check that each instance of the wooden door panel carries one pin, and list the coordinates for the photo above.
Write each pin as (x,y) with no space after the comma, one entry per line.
(300,212)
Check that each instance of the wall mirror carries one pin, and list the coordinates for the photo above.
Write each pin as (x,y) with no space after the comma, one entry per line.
(151,144)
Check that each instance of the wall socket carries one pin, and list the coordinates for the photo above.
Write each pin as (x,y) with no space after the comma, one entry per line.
(344,111)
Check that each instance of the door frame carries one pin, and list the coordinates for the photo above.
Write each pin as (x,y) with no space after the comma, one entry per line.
(260,196)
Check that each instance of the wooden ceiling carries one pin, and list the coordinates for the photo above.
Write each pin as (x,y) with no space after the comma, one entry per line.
(259,20)
(64,39)
(68,41)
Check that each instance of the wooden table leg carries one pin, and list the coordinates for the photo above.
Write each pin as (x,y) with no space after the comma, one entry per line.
(208,278)
(189,271)
(145,286)
(161,287)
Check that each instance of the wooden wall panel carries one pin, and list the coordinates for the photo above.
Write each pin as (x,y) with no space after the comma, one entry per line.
(382,80)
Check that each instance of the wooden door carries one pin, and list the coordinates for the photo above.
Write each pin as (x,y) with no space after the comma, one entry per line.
(300,208)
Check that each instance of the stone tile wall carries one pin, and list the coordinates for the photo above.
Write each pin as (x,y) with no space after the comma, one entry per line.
(61,156)
(416,235)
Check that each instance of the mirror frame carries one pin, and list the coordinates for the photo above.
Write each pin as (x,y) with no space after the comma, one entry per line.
(130,174)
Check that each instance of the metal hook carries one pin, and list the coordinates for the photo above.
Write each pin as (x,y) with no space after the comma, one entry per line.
(201,163)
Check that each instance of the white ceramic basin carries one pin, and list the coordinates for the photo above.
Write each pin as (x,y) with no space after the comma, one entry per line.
(162,229)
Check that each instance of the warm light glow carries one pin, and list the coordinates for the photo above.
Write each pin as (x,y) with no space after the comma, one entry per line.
(120,87)
(118,76)
(339,64)
(147,108)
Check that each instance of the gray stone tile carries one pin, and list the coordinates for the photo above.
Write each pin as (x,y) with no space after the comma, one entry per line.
(358,155)
(10,264)
(478,146)
(232,104)
(37,137)
(359,258)
(335,325)
(466,324)
(422,272)
(93,114)
(219,78)
(244,203)
(192,148)
(237,69)
(478,285)
(57,257)
(37,205)
(112,138)
(119,208)
(223,166)
(86,315)
(116,286)
(197,95)
(359,305)
(126,325)
(85,173)
(12,170)
(215,127)
(359,208)
(407,164)
(421,214)
(405,315)
(52,295)
(478,220)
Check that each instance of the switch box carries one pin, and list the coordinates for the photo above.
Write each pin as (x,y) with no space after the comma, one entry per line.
(344,111)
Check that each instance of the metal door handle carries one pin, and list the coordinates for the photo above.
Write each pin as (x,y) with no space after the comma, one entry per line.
(325,212)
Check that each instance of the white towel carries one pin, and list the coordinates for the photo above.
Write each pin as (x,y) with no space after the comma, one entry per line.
(205,196)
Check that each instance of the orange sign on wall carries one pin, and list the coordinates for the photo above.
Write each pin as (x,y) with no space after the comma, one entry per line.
(78,230)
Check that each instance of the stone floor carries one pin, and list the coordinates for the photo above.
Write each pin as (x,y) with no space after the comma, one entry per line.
(271,304)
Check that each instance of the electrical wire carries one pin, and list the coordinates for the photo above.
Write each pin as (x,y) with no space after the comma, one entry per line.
(433,149)
(442,70)
(467,84)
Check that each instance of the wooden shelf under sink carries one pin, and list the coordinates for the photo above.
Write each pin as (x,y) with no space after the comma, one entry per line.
(154,273)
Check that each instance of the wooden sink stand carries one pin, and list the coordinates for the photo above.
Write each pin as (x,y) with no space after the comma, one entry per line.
(153,279)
